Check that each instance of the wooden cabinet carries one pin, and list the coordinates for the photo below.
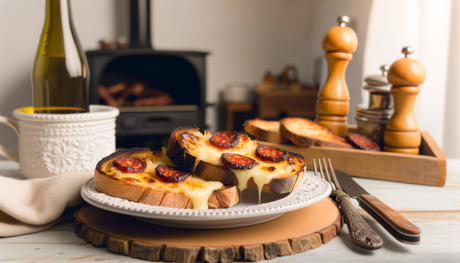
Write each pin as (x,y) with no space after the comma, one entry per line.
(273,104)
(232,108)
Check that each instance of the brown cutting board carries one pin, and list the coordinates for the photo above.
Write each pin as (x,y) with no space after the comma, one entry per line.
(294,232)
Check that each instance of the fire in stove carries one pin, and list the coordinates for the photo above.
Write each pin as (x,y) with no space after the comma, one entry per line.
(135,97)
(134,94)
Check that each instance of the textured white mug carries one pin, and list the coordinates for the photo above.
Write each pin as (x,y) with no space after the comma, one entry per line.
(52,144)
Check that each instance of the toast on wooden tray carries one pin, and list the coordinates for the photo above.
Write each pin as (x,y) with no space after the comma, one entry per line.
(143,176)
(303,132)
(265,131)
(233,158)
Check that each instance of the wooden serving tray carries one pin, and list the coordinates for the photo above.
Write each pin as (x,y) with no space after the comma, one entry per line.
(427,168)
(294,232)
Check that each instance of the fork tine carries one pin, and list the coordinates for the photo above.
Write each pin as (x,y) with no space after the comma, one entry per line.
(316,169)
(322,173)
(326,168)
(314,166)
(337,185)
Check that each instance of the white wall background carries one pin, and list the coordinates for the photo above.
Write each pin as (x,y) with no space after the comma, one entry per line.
(245,39)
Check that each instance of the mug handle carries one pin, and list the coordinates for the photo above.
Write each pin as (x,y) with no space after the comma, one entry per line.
(3,151)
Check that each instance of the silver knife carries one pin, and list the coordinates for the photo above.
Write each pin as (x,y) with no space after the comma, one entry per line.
(397,225)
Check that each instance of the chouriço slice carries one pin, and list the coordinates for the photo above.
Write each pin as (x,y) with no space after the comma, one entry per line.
(130,164)
(171,174)
(272,154)
(361,142)
(225,139)
(237,161)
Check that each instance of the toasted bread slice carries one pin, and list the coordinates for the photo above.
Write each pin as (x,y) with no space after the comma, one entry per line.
(193,150)
(146,187)
(308,133)
(265,131)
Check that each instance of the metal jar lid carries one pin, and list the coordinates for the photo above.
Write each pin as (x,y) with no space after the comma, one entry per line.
(378,83)
(380,97)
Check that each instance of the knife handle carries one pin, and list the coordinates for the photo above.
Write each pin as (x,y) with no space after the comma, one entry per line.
(397,225)
(360,232)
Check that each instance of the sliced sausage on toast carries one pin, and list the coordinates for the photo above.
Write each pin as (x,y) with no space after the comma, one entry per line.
(272,170)
(138,175)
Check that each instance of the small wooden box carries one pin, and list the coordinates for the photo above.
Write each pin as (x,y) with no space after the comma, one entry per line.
(271,104)
(427,168)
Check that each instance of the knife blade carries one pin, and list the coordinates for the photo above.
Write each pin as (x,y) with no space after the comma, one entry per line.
(397,225)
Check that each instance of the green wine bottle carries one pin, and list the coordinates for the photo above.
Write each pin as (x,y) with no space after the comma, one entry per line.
(60,76)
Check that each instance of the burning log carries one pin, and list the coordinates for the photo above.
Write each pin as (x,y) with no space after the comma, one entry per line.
(116,88)
(134,94)
(133,89)
(163,99)
(107,97)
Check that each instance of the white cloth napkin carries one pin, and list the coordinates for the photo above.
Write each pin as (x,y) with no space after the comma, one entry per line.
(32,205)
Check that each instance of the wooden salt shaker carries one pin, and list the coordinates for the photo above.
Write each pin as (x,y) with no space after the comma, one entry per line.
(402,134)
(333,100)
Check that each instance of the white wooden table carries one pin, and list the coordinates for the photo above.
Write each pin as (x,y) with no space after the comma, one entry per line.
(435,210)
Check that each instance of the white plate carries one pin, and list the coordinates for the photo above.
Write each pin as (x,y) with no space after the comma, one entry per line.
(311,190)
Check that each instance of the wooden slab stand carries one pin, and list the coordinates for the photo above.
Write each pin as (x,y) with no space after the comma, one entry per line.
(294,232)
(427,168)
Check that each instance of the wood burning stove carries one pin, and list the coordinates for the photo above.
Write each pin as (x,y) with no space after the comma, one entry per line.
(156,91)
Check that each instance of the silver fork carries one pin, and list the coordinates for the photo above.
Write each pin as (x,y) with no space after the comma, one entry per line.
(360,232)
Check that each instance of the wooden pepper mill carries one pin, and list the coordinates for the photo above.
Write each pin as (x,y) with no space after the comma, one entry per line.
(402,134)
(334,99)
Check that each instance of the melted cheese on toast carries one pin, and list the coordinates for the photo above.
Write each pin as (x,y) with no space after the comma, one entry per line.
(262,174)
(197,189)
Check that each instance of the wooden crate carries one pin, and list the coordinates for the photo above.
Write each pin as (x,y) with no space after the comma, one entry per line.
(427,168)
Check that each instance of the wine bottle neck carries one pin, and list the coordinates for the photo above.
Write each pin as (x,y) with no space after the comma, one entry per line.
(58,37)
(58,12)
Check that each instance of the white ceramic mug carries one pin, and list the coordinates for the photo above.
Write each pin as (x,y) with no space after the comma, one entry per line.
(52,144)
